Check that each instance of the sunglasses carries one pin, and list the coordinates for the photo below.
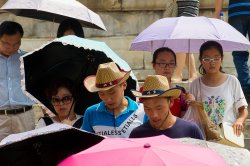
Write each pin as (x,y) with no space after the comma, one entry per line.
(65,100)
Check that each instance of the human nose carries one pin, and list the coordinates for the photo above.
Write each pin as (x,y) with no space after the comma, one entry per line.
(212,60)
(107,99)
(167,65)
(59,103)
(154,115)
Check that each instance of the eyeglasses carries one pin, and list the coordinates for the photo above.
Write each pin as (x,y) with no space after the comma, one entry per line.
(65,100)
(8,45)
(164,65)
(208,60)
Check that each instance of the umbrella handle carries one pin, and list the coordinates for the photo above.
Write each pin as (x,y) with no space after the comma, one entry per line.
(70,109)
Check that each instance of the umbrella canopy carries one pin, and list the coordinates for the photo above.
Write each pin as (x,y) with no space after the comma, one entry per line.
(159,150)
(45,146)
(73,58)
(232,155)
(187,34)
(55,10)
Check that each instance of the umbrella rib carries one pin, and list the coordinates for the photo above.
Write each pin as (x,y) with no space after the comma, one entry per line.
(152,153)
(217,35)
(183,155)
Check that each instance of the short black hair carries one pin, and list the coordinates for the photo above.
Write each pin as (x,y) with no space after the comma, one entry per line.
(163,49)
(72,24)
(10,28)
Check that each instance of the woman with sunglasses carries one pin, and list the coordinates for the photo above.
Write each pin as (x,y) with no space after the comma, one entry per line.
(220,93)
(61,94)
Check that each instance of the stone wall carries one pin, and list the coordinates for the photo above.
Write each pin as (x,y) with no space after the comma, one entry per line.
(124,20)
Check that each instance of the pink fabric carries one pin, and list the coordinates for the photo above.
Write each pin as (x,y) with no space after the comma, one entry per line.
(162,151)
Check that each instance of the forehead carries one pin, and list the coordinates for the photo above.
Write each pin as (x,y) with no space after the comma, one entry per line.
(62,91)
(11,38)
(69,32)
(211,52)
(165,56)
(154,102)
(115,88)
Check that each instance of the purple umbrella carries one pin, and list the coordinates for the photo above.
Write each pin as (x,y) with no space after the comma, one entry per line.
(187,34)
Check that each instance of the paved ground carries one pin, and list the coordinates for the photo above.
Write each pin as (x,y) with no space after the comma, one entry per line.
(247,133)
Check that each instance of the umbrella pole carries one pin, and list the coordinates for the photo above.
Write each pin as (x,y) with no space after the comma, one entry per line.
(189,63)
(52,29)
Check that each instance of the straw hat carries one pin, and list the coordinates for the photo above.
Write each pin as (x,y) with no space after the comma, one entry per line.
(157,86)
(108,76)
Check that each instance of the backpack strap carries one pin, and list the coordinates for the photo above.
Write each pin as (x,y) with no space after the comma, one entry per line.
(78,123)
(47,120)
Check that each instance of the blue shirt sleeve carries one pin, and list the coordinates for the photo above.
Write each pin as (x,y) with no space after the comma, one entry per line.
(86,125)
(145,119)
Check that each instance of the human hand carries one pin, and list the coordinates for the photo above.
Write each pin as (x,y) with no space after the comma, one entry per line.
(238,127)
(189,98)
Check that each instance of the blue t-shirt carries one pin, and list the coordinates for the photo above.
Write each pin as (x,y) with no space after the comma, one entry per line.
(97,119)
(180,129)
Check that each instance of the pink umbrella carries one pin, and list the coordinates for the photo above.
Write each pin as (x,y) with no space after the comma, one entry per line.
(187,34)
(159,151)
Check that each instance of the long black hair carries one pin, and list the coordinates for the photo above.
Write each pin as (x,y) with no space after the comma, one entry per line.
(162,49)
(72,24)
(206,46)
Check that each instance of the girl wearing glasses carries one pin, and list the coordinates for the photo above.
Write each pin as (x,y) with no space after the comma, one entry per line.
(221,93)
(164,63)
(61,94)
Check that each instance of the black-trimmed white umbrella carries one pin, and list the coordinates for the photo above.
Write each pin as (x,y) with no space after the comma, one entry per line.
(73,58)
(46,146)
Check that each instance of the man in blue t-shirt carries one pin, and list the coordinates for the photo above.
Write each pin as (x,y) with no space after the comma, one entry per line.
(157,98)
(239,18)
(117,115)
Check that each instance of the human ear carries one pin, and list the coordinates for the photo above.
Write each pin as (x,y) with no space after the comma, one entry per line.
(124,85)
(171,102)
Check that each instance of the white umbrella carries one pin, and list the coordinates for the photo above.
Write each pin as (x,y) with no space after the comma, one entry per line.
(232,155)
(55,10)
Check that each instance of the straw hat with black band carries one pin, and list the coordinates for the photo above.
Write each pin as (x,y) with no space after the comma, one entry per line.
(108,76)
(157,86)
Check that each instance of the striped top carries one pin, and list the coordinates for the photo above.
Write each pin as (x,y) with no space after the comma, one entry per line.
(188,8)
(238,7)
